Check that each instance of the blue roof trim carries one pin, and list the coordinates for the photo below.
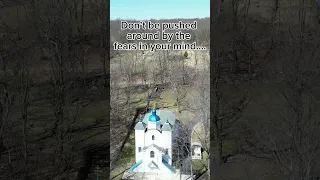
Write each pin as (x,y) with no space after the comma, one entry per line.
(165,158)
(135,165)
(173,171)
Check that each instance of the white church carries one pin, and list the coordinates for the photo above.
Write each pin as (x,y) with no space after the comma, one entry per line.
(153,143)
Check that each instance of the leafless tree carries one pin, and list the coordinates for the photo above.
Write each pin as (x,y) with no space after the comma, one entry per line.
(115,93)
(199,103)
(177,76)
(182,148)
(16,85)
(291,141)
(24,85)
(56,36)
(216,5)
(163,58)
(128,72)
(99,8)
(227,108)
(9,78)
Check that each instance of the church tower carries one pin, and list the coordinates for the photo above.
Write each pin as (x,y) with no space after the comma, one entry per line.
(167,137)
(154,121)
(139,139)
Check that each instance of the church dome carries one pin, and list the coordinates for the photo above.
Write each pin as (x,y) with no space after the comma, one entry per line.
(154,117)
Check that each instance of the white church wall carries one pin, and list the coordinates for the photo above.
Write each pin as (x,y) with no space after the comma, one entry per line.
(139,142)
(157,159)
(165,170)
(166,136)
(158,140)
(154,125)
(167,143)
(145,161)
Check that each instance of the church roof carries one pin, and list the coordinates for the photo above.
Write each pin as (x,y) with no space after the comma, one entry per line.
(195,144)
(167,126)
(164,115)
(155,146)
(135,165)
(154,117)
(140,125)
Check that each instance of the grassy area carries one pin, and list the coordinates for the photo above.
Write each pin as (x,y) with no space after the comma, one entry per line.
(126,158)
(198,133)
(167,97)
(140,100)
(229,147)
(92,115)
(200,165)
(117,173)
(128,152)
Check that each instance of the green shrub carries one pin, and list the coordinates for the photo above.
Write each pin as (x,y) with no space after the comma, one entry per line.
(185,54)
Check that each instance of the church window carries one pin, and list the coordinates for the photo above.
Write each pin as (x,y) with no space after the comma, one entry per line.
(151,154)
(152,137)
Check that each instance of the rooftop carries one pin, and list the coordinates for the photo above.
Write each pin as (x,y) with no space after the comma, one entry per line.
(164,116)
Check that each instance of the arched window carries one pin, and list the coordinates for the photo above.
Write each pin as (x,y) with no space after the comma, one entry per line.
(152,137)
(151,154)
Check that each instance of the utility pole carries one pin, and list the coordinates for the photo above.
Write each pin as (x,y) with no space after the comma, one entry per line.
(97,171)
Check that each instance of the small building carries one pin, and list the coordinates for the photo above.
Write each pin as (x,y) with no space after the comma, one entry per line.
(153,143)
(196,150)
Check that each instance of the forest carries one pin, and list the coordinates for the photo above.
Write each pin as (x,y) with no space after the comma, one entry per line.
(54,100)
(69,101)
(264,89)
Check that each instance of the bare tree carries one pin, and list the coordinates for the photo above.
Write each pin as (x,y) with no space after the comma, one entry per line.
(290,141)
(115,92)
(199,103)
(55,33)
(163,58)
(182,148)
(216,7)
(24,86)
(8,81)
(99,8)
(227,107)
(178,80)
(128,72)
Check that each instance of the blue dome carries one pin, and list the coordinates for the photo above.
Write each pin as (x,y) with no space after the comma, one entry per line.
(154,117)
